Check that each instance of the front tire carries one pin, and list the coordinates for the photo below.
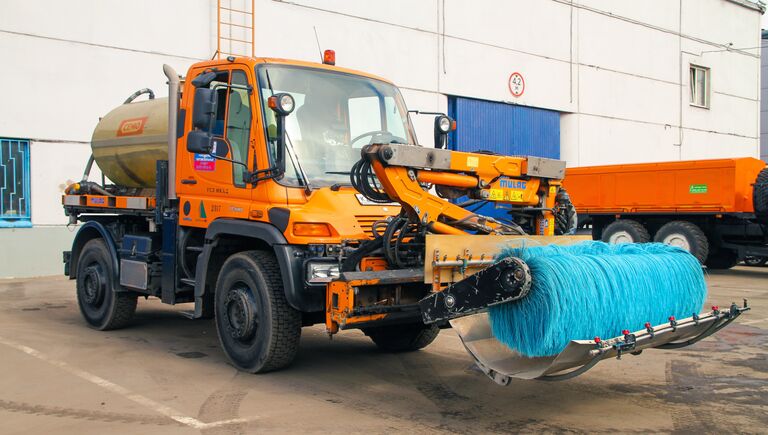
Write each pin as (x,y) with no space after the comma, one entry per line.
(100,304)
(257,328)
(402,338)
(685,235)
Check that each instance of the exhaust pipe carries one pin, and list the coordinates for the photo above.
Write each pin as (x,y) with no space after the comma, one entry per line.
(173,113)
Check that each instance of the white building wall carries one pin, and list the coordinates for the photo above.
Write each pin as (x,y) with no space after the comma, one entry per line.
(764,100)
(616,69)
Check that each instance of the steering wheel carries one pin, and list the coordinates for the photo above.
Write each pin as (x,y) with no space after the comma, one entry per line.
(374,133)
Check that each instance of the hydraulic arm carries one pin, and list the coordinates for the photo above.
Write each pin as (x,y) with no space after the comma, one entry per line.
(527,186)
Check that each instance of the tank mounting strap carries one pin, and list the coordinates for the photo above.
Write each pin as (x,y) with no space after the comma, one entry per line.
(505,281)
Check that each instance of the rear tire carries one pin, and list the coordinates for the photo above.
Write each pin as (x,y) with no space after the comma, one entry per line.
(722,259)
(685,235)
(402,338)
(760,195)
(100,304)
(625,231)
(257,328)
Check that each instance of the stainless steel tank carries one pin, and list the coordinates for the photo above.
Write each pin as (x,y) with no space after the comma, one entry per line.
(130,139)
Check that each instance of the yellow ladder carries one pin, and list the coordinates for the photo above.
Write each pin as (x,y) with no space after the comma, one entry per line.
(235,28)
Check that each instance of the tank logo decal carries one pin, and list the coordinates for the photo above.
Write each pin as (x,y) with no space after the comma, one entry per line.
(131,127)
(205,163)
(187,208)
(697,188)
(203,215)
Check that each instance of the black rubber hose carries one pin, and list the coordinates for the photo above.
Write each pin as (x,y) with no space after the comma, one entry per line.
(366,248)
(362,178)
(140,92)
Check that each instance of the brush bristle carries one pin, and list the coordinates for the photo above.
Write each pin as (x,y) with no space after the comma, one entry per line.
(595,289)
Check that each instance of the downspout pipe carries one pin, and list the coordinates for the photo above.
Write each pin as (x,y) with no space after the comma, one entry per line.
(173,113)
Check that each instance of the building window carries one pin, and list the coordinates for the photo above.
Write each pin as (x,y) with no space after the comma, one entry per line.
(14,183)
(699,86)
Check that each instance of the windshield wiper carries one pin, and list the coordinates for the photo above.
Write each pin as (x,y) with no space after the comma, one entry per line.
(297,164)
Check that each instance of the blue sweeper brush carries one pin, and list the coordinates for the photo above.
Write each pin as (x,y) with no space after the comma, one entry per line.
(593,289)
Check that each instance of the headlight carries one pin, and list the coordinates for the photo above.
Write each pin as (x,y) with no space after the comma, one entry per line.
(281,103)
(319,271)
(444,124)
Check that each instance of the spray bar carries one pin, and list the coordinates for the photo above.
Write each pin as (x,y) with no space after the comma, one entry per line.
(501,363)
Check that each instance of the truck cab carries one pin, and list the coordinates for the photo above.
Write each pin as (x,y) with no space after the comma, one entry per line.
(252,211)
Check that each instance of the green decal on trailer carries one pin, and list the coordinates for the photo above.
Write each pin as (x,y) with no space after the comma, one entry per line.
(697,188)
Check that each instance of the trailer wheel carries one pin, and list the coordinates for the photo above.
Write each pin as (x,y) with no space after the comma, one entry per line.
(402,338)
(722,259)
(625,231)
(685,235)
(257,328)
(101,306)
(760,194)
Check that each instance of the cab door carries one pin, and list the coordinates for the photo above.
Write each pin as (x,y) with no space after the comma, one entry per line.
(212,185)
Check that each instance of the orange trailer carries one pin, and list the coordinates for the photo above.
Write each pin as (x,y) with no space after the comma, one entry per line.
(717,209)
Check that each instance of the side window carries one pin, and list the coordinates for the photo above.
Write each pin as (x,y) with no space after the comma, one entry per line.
(699,82)
(220,85)
(396,119)
(364,116)
(239,123)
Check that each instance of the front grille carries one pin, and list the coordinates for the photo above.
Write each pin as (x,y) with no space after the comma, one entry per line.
(366,223)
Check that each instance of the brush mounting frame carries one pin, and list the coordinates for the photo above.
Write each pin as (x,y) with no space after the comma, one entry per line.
(506,281)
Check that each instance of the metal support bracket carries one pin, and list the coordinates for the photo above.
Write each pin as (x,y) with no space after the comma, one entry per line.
(505,281)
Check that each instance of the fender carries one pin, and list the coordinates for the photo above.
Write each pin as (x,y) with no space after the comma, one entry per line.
(92,230)
(290,265)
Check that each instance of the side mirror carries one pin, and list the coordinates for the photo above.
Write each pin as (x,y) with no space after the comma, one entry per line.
(282,104)
(199,142)
(443,126)
(204,79)
(204,109)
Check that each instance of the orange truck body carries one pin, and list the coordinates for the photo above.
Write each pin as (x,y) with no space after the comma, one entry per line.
(697,186)
(707,207)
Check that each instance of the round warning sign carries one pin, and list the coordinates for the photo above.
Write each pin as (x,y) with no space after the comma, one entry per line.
(516,84)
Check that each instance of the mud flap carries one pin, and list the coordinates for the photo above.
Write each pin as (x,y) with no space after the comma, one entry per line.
(501,363)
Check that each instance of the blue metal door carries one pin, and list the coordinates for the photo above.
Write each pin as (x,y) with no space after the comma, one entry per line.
(505,129)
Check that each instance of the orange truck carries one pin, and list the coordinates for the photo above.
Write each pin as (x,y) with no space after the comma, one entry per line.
(716,209)
(275,194)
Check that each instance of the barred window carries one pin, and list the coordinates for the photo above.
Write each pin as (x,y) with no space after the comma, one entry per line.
(14,183)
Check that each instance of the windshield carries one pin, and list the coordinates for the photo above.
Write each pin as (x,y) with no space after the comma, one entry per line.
(336,114)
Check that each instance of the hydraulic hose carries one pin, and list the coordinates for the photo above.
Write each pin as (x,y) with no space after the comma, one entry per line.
(138,93)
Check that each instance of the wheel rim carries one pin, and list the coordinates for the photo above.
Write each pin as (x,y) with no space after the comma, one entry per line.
(94,285)
(620,237)
(240,315)
(678,240)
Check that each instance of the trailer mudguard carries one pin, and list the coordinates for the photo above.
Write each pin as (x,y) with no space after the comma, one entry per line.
(290,265)
(88,231)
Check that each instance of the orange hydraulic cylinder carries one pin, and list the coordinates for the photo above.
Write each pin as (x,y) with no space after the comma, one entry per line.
(447,179)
